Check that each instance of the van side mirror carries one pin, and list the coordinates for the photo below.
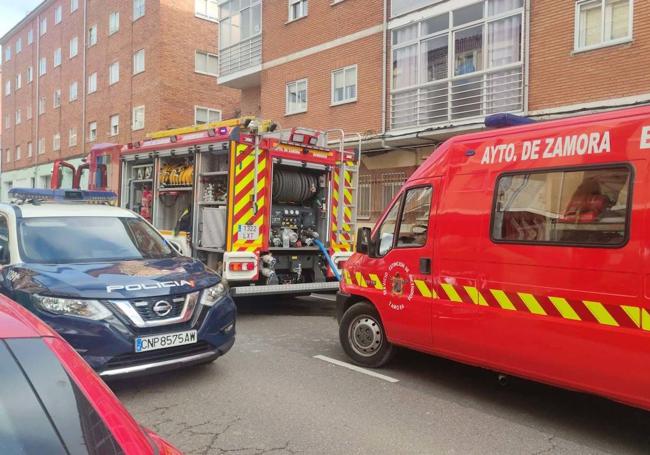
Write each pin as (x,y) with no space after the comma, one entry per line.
(363,240)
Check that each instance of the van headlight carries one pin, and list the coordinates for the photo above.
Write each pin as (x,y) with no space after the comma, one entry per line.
(210,296)
(89,309)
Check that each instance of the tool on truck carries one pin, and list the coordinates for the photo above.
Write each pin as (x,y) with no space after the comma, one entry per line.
(273,210)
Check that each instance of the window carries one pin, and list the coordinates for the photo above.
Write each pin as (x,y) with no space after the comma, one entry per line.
(57,98)
(30,74)
(296,97)
(42,66)
(43,28)
(74,46)
(365,197)
(387,230)
(30,36)
(92,35)
(74,5)
(7,53)
(29,111)
(206,9)
(18,117)
(586,207)
(297,9)
(113,22)
(8,155)
(239,22)
(115,125)
(72,137)
(138,61)
(19,81)
(92,131)
(344,85)
(113,73)
(41,105)
(92,83)
(206,63)
(7,88)
(18,153)
(29,150)
(7,121)
(57,14)
(73,91)
(138,118)
(41,145)
(57,57)
(206,115)
(414,223)
(56,142)
(19,45)
(138,9)
(602,22)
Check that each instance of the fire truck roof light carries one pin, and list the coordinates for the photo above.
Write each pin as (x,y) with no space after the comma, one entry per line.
(61,195)
(503,120)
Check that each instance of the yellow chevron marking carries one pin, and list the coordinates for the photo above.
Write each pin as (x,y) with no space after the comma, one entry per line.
(360,280)
(347,194)
(564,308)
(336,178)
(531,303)
(335,196)
(245,218)
(246,162)
(423,288)
(245,180)
(503,300)
(451,292)
(600,313)
(346,275)
(475,295)
(346,228)
(348,212)
(634,313)
(376,282)
(645,319)
(348,178)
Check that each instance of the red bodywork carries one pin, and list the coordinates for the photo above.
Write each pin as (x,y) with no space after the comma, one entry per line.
(16,322)
(573,316)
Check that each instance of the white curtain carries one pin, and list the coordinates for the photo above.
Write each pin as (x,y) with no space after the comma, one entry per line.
(501,6)
(504,41)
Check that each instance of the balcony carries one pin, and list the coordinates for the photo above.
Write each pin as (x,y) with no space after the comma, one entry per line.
(241,63)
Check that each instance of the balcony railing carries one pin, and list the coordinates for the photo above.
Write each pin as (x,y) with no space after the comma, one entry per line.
(241,56)
(465,97)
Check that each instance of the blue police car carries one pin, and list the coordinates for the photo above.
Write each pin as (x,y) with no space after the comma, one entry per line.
(110,284)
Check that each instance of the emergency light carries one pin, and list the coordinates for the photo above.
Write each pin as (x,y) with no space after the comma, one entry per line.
(61,195)
(504,120)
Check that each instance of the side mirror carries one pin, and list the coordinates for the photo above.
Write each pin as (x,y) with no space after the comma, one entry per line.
(176,246)
(363,240)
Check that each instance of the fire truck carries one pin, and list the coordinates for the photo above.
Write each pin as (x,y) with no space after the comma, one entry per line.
(273,211)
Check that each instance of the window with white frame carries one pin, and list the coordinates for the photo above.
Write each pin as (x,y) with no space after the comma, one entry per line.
(92,83)
(296,99)
(138,61)
(56,142)
(19,45)
(113,73)
(41,145)
(18,152)
(18,117)
(602,23)
(113,22)
(30,150)
(206,115)
(7,87)
(138,9)
(57,98)
(239,21)
(297,9)
(74,46)
(30,36)
(138,118)
(72,137)
(206,63)
(7,53)
(30,74)
(42,30)
(58,14)
(92,131)
(72,92)
(19,81)
(7,121)
(8,155)
(92,35)
(41,105)
(29,112)
(207,9)
(42,66)
(115,125)
(344,85)
(57,57)
(74,5)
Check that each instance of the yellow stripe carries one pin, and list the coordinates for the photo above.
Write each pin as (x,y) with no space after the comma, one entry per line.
(346,274)
(347,194)
(531,303)
(600,313)
(564,308)
(245,180)
(634,313)
(503,300)
(376,281)
(423,288)
(451,292)
(360,280)
(475,295)
(348,178)
(645,319)
(348,212)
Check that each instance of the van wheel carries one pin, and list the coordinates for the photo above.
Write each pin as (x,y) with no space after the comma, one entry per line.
(363,337)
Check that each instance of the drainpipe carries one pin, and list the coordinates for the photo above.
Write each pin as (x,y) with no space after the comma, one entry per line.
(37,75)
(384,62)
(527,19)
(83,80)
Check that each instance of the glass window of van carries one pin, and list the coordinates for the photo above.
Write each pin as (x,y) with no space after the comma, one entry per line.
(414,224)
(4,241)
(587,207)
(387,229)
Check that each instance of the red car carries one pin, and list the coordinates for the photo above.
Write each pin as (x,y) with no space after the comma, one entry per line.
(51,400)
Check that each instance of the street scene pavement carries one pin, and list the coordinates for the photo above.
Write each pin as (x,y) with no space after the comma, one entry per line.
(278,392)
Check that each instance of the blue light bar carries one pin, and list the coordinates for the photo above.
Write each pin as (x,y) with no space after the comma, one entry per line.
(61,195)
(503,120)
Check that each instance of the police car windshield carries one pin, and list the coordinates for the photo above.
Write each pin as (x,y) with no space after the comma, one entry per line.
(61,240)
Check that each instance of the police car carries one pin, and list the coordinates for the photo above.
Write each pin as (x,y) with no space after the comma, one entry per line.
(110,284)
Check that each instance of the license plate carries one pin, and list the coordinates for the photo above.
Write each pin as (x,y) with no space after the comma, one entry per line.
(248,232)
(167,340)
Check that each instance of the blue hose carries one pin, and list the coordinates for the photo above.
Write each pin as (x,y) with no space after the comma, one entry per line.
(320,245)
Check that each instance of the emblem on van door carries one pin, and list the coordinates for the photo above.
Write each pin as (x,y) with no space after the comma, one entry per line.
(399,286)
(162,308)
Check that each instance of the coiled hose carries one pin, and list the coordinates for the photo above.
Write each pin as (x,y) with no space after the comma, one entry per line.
(293,186)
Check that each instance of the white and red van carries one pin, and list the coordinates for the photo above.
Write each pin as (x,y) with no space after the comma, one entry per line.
(525,250)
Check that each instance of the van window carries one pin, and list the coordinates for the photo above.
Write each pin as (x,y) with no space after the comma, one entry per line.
(587,207)
(414,224)
(4,241)
(387,229)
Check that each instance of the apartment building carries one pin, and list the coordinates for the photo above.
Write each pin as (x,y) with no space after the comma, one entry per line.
(80,72)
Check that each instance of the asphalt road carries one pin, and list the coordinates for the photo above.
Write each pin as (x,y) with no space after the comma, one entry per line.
(270,395)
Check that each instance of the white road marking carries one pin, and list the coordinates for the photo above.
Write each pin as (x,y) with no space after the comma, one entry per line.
(330,297)
(356,368)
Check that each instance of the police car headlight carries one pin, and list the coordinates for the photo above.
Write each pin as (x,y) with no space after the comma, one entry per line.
(89,309)
(212,295)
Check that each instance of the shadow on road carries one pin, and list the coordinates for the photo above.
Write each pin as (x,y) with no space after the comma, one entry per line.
(286,306)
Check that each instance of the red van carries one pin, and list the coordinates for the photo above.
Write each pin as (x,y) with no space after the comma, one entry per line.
(525,250)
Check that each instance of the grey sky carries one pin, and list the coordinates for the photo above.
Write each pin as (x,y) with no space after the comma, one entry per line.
(12,11)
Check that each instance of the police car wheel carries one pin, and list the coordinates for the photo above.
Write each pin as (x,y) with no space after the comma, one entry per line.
(363,337)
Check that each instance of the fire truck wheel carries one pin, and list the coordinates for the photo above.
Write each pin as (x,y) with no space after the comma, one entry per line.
(363,337)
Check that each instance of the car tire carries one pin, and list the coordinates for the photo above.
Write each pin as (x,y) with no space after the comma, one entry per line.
(363,337)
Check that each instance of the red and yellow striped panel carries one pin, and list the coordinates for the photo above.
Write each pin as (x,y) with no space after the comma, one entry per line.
(342,237)
(241,205)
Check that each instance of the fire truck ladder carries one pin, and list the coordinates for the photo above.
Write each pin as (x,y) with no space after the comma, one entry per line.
(353,169)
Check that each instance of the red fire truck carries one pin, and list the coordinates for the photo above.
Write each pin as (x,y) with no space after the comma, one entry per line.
(523,250)
(273,211)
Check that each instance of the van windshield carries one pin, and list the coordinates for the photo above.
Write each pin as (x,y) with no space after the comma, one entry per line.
(62,240)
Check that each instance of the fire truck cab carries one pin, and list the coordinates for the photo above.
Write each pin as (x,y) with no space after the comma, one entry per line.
(522,250)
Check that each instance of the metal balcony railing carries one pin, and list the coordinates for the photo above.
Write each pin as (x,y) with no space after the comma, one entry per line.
(245,54)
